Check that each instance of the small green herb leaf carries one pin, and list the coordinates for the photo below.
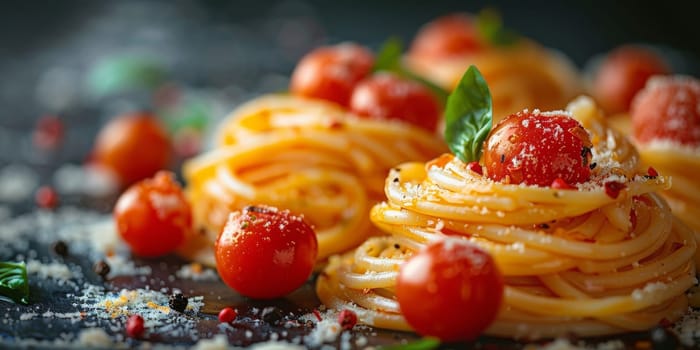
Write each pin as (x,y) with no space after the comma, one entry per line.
(389,56)
(14,283)
(468,116)
(426,343)
(490,27)
(389,60)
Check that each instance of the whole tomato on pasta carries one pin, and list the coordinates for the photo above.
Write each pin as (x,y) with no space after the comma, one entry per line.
(452,35)
(134,146)
(622,73)
(668,109)
(388,96)
(331,72)
(537,148)
(451,289)
(152,216)
(265,253)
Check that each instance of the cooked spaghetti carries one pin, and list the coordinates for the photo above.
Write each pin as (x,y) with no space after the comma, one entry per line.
(589,261)
(308,156)
(523,75)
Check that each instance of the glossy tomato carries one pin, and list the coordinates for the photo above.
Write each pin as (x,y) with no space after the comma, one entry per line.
(622,73)
(331,72)
(537,148)
(388,96)
(451,289)
(265,253)
(134,146)
(153,216)
(668,109)
(452,35)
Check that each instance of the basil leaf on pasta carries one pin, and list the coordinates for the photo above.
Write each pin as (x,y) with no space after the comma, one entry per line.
(490,27)
(468,116)
(427,343)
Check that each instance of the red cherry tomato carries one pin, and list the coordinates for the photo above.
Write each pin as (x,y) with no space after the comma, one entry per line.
(388,96)
(134,146)
(153,216)
(331,72)
(622,74)
(452,290)
(668,109)
(448,36)
(265,253)
(537,148)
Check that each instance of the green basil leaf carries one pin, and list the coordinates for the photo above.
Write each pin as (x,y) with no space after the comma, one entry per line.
(389,56)
(490,27)
(427,343)
(468,116)
(14,283)
(389,60)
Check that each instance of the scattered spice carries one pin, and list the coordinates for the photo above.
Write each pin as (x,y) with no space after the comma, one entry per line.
(475,167)
(272,315)
(593,165)
(134,326)
(613,188)
(101,268)
(177,302)
(48,132)
(652,173)
(347,319)
(662,338)
(227,315)
(60,248)
(46,197)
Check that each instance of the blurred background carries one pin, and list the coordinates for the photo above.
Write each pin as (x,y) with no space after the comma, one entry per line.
(83,62)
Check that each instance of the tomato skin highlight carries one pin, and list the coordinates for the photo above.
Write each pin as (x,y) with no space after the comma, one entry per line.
(387,96)
(451,289)
(537,148)
(667,109)
(134,146)
(448,36)
(152,216)
(623,73)
(265,253)
(331,72)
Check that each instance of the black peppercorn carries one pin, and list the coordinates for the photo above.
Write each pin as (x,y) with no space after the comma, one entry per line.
(178,302)
(101,268)
(60,248)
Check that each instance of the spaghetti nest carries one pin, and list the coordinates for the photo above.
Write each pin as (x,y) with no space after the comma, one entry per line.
(682,163)
(308,156)
(590,261)
(522,75)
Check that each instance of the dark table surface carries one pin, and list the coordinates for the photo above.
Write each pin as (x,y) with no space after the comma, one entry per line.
(218,54)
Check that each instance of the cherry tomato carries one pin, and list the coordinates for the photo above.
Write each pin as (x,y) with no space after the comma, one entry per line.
(265,253)
(451,289)
(537,148)
(388,96)
(227,315)
(153,216)
(668,109)
(623,72)
(331,72)
(134,146)
(452,35)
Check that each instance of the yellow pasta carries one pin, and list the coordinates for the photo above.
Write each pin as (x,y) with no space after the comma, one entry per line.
(575,261)
(308,156)
(524,75)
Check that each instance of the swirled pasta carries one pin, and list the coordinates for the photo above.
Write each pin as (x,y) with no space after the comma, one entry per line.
(308,156)
(588,261)
(523,75)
